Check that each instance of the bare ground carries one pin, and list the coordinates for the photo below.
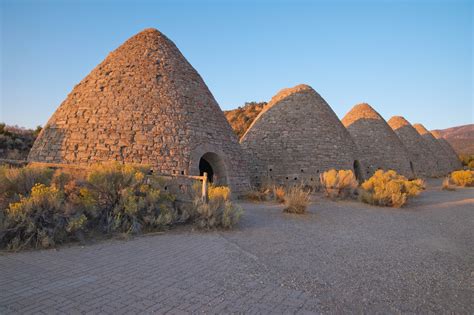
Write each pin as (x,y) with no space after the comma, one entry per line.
(340,257)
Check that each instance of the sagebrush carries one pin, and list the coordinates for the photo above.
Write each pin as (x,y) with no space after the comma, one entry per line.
(463,178)
(339,184)
(112,198)
(389,189)
(218,212)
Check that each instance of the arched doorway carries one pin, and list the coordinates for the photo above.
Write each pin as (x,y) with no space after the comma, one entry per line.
(357,170)
(214,166)
(412,168)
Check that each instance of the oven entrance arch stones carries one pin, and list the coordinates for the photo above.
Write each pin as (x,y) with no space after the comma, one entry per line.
(214,166)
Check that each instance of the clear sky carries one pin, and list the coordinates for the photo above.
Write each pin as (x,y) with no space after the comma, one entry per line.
(410,58)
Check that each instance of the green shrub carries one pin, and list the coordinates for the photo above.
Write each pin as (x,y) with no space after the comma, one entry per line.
(296,199)
(218,212)
(339,183)
(463,178)
(389,189)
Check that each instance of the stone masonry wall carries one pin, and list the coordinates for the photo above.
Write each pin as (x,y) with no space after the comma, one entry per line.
(454,160)
(378,146)
(143,104)
(442,161)
(420,154)
(295,138)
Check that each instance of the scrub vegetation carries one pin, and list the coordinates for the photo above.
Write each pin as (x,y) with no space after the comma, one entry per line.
(339,184)
(41,208)
(389,189)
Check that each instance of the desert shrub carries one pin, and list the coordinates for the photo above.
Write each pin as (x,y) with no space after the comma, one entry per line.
(218,212)
(339,183)
(470,165)
(120,198)
(463,178)
(467,160)
(266,193)
(296,199)
(216,192)
(262,193)
(17,182)
(279,194)
(389,189)
(38,221)
(255,195)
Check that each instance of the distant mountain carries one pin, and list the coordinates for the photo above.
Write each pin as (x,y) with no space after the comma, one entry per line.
(461,138)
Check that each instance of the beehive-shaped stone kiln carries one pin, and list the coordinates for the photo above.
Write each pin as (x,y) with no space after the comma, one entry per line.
(452,156)
(423,160)
(442,160)
(378,146)
(144,104)
(295,138)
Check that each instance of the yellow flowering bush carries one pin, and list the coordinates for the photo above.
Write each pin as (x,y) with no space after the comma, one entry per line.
(16,182)
(389,189)
(462,178)
(218,212)
(339,183)
(111,198)
(35,221)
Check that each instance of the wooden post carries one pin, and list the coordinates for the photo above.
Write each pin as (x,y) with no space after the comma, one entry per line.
(204,195)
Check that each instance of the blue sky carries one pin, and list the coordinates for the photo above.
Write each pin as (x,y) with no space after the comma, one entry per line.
(410,58)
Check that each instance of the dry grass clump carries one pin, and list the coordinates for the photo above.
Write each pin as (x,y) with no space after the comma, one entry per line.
(389,189)
(447,184)
(339,184)
(266,193)
(218,212)
(296,200)
(263,193)
(279,194)
(462,178)
(256,195)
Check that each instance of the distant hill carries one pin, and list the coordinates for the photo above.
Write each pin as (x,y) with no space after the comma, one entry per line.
(241,118)
(16,142)
(461,138)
